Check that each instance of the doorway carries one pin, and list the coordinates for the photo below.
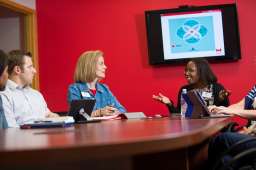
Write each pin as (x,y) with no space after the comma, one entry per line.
(19,31)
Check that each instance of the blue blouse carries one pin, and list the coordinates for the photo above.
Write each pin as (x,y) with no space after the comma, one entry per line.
(103,96)
(3,122)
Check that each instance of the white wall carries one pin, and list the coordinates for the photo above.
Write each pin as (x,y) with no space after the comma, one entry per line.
(10,33)
(28,3)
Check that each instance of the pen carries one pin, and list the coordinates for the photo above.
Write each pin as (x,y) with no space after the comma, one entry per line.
(112,106)
(42,121)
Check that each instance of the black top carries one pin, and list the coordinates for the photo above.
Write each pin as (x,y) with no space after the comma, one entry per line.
(216,88)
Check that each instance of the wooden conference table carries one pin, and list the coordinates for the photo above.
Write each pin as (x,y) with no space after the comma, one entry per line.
(163,143)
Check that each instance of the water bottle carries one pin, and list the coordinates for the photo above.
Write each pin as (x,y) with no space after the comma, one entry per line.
(183,104)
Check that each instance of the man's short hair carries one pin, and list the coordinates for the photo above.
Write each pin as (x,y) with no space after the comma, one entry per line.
(16,58)
(3,61)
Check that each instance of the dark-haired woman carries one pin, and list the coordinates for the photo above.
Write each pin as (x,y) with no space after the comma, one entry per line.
(199,77)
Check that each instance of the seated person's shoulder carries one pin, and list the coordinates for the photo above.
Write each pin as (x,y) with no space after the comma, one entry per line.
(7,96)
(103,86)
(218,85)
(76,85)
(35,92)
(6,93)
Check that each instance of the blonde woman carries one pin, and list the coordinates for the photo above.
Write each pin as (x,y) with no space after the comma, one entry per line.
(90,69)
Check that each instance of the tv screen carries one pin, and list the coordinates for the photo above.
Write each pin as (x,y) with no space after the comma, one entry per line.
(177,35)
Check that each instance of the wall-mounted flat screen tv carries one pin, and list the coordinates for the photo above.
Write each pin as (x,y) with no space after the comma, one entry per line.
(177,35)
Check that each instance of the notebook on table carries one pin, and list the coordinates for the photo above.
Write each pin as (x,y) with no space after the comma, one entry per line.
(63,121)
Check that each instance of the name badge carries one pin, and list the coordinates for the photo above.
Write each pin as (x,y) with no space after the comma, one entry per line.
(206,95)
(85,94)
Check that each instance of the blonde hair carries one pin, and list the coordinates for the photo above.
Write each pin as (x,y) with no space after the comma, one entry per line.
(86,66)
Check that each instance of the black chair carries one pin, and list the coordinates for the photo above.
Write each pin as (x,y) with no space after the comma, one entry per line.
(245,160)
(234,126)
(231,127)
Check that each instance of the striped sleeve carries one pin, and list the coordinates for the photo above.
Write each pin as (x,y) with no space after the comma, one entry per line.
(252,93)
(249,98)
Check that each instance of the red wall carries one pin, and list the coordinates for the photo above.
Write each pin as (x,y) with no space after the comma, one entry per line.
(117,27)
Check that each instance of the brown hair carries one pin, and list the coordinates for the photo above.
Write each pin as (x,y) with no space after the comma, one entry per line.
(3,61)
(86,66)
(16,58)
(204,71)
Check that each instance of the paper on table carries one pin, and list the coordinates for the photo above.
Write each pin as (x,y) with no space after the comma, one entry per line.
(111,117)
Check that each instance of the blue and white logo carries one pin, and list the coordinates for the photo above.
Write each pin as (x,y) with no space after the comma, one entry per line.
(192,31)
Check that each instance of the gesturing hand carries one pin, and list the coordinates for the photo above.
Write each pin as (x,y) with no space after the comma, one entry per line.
(163,99)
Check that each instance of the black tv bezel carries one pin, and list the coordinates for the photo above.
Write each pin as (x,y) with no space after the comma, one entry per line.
(231,36)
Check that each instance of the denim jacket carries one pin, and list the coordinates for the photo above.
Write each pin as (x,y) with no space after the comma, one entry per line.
(3,122)
(103,96)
